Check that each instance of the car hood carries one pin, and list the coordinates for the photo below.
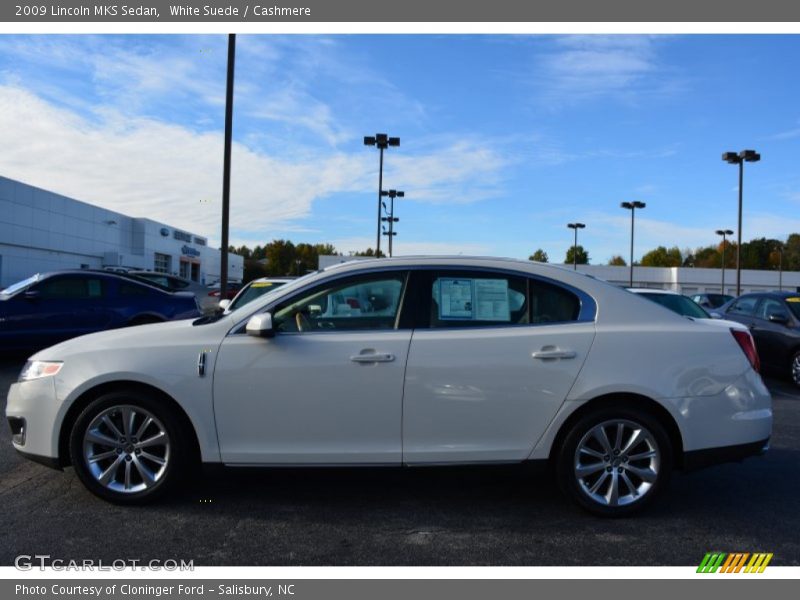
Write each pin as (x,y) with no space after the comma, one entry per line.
(139,336)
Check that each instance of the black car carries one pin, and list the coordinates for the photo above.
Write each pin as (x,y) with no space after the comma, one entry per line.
(51,307)
(774,320)
(710,301)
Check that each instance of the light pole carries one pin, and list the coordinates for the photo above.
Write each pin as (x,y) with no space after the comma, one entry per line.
(632,206)
(392,194)
(739,159)
(382,142)
(226,167)
(724,233)
(575,226)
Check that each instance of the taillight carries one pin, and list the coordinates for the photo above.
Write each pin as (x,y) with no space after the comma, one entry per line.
(748,346)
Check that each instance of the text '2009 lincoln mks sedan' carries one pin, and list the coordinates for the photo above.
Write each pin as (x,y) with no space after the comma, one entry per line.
(414,361)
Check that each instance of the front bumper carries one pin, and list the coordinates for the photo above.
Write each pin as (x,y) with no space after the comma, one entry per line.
(34,404)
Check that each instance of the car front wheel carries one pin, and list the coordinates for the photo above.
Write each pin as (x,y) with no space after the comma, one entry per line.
(127,447)
(614,461)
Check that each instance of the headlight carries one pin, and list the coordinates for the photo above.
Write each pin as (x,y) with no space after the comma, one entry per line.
(34,369)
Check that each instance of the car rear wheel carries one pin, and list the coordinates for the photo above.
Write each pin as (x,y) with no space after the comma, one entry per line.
(614,461)
(127,447)
(795,369)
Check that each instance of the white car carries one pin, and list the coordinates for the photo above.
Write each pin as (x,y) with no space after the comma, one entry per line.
(684,306)
(404,361)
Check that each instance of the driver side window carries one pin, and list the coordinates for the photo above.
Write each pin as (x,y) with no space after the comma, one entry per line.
(363,303)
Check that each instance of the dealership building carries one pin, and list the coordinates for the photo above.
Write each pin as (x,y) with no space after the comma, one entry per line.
(43,231)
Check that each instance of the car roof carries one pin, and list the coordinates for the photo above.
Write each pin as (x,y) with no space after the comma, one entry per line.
(108,274)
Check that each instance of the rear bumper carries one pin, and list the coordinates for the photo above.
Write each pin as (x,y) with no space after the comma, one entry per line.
(698,459)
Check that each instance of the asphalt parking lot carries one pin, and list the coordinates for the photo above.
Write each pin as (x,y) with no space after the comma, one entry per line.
(465,516)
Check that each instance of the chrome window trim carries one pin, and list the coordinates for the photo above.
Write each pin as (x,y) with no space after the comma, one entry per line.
(587,312)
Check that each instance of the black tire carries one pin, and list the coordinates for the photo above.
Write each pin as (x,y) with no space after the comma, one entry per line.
(176,454)
(794,369)
(579,490)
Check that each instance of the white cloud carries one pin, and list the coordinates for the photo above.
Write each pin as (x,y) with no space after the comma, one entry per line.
(412,248)
(788,134)
(584,67)
(148,168)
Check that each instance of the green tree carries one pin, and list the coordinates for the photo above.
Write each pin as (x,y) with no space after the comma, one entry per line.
(581,254)
(617,261)
(539,256)
(663,257)
(280,257)
(369,252)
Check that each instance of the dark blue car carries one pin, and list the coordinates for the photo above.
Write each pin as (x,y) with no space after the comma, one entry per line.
(48,308)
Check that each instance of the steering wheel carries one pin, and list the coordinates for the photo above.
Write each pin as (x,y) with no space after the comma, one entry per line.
(302,322)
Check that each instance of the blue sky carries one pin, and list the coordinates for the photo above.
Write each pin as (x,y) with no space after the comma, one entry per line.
(505,138)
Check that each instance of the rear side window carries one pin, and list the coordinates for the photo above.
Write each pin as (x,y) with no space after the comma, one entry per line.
(67,288)
(744,306)
(552,304)
(478,299)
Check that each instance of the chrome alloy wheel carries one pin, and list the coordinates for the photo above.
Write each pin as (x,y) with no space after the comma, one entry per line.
(617,462)
(126,449)
(796,369)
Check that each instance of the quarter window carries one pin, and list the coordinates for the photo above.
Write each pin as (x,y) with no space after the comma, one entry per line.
(771,306)
(357,304)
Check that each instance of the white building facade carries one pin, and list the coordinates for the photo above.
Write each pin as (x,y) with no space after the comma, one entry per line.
(689,280)
(42,231)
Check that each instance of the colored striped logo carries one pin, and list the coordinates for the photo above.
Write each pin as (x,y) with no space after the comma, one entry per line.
(734,562)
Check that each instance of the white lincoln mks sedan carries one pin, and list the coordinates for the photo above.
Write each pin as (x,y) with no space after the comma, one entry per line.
(412,361)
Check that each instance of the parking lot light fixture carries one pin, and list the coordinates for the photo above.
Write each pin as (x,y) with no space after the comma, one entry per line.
(381,141)
(632,206)
(724,233)
(390,218)
(575,226)
(733,158)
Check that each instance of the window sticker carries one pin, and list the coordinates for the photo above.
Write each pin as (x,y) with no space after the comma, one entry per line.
(455,299)
(491,300)
(474,300)
(793,299)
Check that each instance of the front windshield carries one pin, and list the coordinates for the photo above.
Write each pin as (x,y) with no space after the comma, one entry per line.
(794,305)
(20,285)
(679,304)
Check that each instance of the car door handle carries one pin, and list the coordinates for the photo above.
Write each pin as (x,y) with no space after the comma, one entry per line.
(545,354)
(373,357)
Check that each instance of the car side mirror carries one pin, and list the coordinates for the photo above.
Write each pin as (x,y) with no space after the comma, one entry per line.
(224,304)
(778,317)
(715,315)
(32,295)
(260,326)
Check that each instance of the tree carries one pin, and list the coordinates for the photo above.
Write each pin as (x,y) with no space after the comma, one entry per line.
(539,256)
(617,261)
(368,252)
(582,255)
(663,257)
